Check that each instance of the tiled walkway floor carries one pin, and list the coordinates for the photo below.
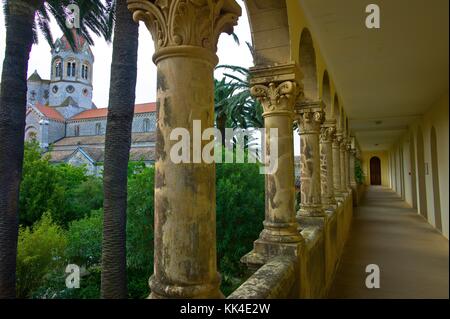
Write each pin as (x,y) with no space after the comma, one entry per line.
(412,256)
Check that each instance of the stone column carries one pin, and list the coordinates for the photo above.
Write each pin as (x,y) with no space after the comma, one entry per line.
(326,162)
(310,116)
(337,166)
(353,182)
(277,96)
(347,162)
(342,150)
(185,35)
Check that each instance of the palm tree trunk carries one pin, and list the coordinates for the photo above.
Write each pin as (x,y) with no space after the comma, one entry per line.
(117,150)
(221,125)
(19,39)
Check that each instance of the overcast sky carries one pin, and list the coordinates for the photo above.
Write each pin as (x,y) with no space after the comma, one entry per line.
(228,52)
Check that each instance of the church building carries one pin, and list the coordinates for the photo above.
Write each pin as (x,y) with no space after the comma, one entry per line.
(67,124)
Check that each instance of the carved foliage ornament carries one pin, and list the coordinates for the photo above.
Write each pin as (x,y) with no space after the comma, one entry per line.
(276,97)
(186,22)
(327,134)
(310,119)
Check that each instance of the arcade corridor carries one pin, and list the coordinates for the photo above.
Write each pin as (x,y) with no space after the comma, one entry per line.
(411,254)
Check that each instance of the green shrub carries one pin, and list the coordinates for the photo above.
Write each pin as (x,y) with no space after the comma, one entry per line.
(84,237)
(37,186)
(40,250)
(359,174)
(240,214)
(140,231)
(63,190)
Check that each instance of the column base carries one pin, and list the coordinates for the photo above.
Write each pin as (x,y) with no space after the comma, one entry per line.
(315,221)
(280,233)
(161,290)
(263,251)
(330,205)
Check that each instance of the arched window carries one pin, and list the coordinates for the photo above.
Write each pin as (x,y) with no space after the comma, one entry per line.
(85,72)
(98,129)
(146,125)
(58,68)
(77,130)
(71,68)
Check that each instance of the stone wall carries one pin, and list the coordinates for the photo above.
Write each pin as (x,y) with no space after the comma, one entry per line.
(312,274)
(88,127)
(56,131)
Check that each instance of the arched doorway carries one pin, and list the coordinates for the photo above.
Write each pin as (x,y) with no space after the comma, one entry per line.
(375,171)
(435,174)
(421,175)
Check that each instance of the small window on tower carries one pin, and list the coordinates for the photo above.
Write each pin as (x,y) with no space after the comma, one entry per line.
(58,69)
(98,129)
(146,125)
(71,67)
(85,72)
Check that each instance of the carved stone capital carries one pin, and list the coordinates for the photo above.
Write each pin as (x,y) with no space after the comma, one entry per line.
(343,143)
(348,146)
(196,23)
(310,116)
(276,87)
(327,133)
(276,97)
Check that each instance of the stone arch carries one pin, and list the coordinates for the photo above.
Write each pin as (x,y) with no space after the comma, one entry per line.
(337,111)
(308,65)
(31,133)
(421,175)
(341,119)
(435,176)
(86,70)
(269,18)
(57,70)
(412,152)
(326,95)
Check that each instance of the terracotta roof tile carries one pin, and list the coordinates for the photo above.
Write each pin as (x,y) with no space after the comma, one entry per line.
(49,112)
(103,112)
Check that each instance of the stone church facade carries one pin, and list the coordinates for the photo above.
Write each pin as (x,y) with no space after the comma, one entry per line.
(67,124)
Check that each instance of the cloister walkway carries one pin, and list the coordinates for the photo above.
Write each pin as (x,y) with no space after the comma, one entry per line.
(413,257)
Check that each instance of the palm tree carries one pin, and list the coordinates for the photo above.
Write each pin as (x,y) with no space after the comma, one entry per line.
(117,150)
(223,91)
(23,18)
(242,110)
(234,105)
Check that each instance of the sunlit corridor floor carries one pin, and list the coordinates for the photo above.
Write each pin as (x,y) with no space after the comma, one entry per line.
(412,256)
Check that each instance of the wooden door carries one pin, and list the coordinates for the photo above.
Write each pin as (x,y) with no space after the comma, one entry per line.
(375,171)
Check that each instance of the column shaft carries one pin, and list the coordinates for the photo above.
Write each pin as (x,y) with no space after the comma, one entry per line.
(310,118)
(343,170)
(185,34)
(185,219)
(326,157)
(280,235)
(337,166)
(280,224)
(352,167)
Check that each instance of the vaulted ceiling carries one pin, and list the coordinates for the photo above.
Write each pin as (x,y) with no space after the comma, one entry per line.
(386,77)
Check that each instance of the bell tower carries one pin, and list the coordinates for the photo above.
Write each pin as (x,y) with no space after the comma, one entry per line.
(71,87)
